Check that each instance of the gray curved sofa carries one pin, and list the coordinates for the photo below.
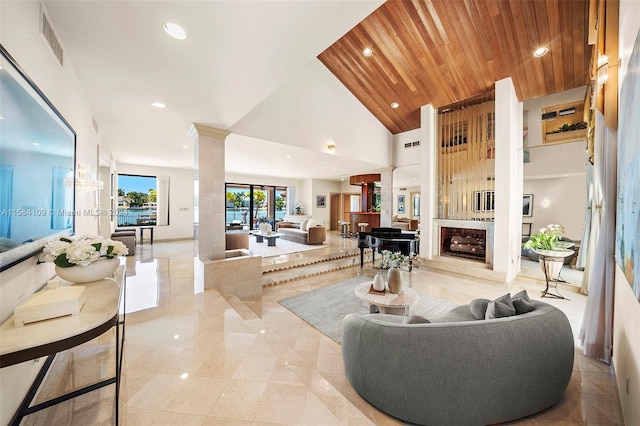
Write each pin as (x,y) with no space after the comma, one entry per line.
(459,370)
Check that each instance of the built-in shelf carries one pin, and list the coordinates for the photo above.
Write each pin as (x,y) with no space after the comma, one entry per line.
(558,123)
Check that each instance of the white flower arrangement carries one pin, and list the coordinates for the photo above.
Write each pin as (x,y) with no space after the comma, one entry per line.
(394,260)
(299,208)
(65,252)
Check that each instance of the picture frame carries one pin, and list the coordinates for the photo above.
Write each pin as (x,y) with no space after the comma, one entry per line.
(484,201)
(526,229)
(321,201)
(527,205)
(400,199)
(400,208)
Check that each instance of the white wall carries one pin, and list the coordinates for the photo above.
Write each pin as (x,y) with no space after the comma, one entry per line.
(558,200)
(19,24)
(626,333)
(181,189)
(533,112)
(326,188)
(555,174)
(313,109)
(406,156)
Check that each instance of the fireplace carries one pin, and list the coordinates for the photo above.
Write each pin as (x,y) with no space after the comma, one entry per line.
(465,239)
(463,242)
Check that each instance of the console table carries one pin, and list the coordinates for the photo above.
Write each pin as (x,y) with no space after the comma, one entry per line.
(47,338)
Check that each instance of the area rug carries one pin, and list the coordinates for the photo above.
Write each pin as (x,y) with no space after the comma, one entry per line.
(281,247)
(324,308)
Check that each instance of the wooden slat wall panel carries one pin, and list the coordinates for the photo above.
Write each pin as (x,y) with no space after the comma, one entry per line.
(443,51)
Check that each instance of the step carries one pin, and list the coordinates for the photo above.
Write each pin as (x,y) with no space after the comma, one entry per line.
(304,268)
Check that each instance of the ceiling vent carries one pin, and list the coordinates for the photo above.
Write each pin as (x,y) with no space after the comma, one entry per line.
(49,35)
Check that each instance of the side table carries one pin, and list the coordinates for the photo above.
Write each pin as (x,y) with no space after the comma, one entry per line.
(144,228)
(388,303)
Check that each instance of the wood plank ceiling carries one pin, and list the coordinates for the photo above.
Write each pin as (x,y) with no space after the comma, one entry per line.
(441,52)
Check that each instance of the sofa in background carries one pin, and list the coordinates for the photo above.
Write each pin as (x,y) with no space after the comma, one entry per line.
(404,223)
(306,232)
(458,370)
(236,240)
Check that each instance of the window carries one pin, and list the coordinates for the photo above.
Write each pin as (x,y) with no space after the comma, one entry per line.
(143,200)
(246,203)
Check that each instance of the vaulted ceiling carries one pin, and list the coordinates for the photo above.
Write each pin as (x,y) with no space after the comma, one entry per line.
(440,52)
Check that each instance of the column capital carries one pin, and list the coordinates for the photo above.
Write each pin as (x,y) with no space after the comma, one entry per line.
(197,129)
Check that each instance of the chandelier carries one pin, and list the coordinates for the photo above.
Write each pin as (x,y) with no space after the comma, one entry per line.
(83,180)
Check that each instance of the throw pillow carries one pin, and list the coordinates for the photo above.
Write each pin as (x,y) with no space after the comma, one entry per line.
(303,225)
(310,224)
(522,303)
(500,307)
(479,307)
(416,319)
(499,310)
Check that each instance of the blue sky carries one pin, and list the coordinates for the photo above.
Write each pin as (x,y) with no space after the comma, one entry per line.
(136,183)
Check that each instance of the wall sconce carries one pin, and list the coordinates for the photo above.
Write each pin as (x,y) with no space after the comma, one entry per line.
(84,183)
(331,147)
(603,65)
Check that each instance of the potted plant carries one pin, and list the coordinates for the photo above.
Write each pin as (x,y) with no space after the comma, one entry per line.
(83,259)
(298,208)
(551,251)
(394,262)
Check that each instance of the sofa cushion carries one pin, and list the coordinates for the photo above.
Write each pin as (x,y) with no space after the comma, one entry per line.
(303,225)
(416,319)
(500,307)
(479,307)
(522,303)
(310,223)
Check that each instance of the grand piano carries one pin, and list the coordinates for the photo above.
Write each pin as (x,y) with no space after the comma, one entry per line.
(392,239)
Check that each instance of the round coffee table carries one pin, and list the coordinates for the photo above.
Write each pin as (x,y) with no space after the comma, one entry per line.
(387,303)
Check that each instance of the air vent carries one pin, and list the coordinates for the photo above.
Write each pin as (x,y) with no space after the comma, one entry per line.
(49,34)
(411,144)
(416,143)
(94,123)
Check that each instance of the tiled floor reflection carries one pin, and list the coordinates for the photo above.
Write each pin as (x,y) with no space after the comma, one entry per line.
(197,358)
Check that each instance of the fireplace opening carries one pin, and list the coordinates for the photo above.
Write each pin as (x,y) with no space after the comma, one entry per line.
(463,242)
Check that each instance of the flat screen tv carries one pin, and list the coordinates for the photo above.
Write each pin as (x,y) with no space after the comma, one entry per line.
(37,167)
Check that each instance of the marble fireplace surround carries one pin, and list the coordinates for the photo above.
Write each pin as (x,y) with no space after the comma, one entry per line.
(487,226)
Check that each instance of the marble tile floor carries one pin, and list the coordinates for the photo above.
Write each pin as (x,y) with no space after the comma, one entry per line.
(192,359)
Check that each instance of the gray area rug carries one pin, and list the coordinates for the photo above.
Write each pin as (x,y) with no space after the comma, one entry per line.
(324,308)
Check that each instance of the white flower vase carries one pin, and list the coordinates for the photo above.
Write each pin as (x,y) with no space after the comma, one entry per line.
(265,228)
(93,272)
(378,282)
(394,280)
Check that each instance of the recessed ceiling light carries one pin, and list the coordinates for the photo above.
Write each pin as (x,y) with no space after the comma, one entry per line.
(35,144)
(540,51)
(185,146)
(1,117)
(395,105)
(367,51)
(183,376)
(175,31)
(158,105)
(287,156)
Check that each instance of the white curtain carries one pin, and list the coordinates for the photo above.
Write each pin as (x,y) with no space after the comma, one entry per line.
(596,331)
(581,261)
